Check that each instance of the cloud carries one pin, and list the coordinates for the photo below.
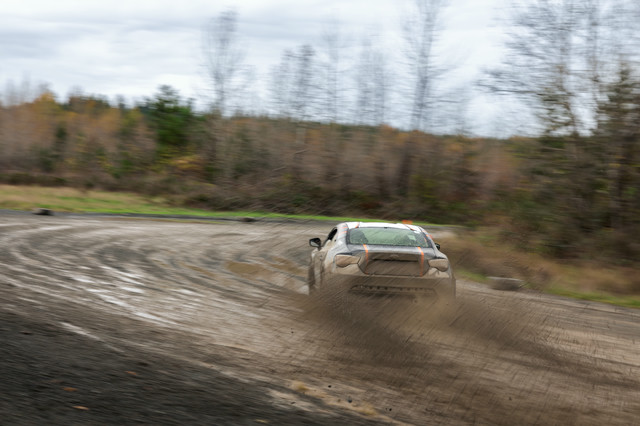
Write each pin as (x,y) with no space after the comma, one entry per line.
(132,47)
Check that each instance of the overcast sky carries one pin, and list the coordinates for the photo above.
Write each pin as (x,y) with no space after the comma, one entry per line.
(131,47)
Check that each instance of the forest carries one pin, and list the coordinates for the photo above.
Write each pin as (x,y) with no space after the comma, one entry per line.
(571,189)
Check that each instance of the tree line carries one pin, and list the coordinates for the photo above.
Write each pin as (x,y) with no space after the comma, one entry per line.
(570,189)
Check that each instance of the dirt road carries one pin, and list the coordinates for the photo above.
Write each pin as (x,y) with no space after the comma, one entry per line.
(122,321)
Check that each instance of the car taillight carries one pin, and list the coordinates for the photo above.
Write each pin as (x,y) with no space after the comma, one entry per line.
(343,260)
(439,264)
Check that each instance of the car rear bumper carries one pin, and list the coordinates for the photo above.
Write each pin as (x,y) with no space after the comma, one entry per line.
(391,285)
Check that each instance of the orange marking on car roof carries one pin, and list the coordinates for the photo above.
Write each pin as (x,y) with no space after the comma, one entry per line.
(421,261)
(366,253)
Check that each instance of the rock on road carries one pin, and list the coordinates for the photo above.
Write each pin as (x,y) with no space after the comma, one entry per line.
(110,320)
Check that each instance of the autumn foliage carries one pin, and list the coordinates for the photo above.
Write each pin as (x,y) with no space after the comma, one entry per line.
(558,194)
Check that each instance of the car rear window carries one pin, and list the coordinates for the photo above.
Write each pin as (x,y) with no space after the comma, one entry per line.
(388,237)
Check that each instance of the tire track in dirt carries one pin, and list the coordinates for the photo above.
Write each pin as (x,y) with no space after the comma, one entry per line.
(200,289)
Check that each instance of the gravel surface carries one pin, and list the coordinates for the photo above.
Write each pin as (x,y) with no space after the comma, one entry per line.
(107,320)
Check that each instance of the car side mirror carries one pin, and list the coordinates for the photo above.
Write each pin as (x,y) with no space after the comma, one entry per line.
(315,242)
(438,246)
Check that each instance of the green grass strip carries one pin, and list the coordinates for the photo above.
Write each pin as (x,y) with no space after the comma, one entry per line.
(626,301)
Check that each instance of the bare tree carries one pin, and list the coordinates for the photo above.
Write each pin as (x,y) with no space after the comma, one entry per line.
(293,95)
(372,84)
(302,94)
(421,30)
(292,83)
(281,85)
(224,59)
(557,59)
(331,69)
(573,63)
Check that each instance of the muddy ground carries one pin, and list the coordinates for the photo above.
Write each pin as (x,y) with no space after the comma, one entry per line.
(140,321)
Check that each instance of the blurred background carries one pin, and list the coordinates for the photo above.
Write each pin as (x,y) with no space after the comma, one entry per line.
(518,117)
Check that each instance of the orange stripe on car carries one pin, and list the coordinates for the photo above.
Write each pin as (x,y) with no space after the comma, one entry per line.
(366,258)
(421,261)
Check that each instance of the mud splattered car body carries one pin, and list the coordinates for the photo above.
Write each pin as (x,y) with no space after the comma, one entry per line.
(380,259)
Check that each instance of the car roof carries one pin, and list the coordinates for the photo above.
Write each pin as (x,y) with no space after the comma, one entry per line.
(354,225)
